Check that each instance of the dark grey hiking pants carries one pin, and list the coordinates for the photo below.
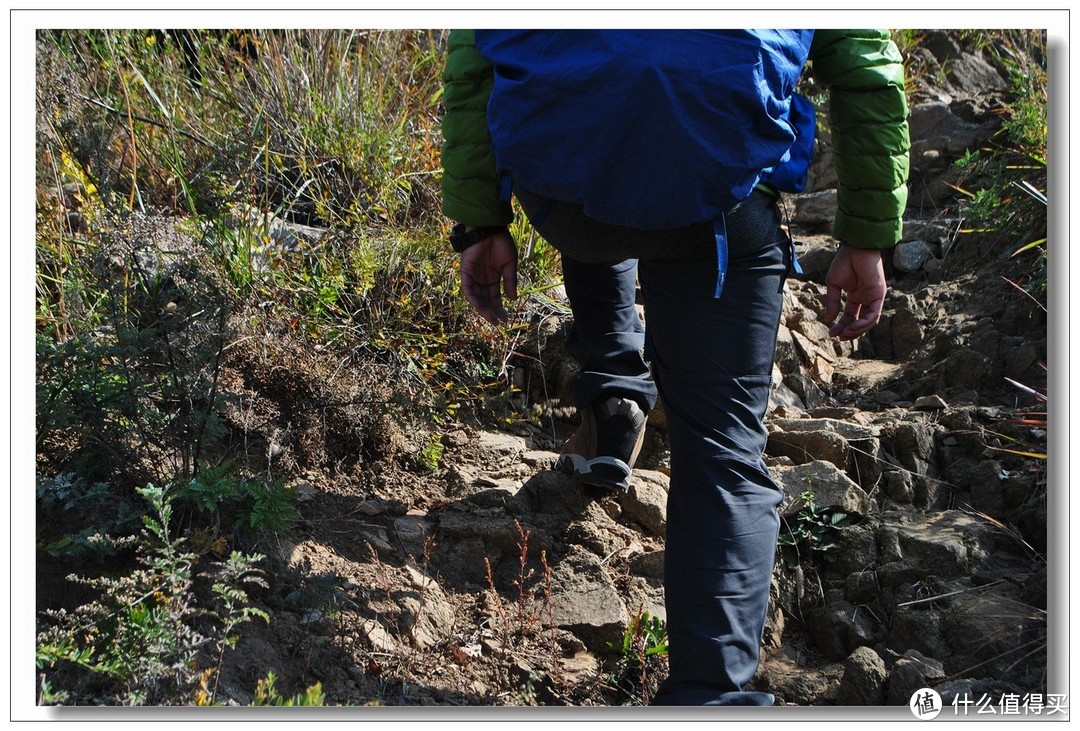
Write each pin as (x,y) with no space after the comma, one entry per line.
(712,363)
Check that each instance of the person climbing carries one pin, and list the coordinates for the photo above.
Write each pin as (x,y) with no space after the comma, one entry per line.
(659,158)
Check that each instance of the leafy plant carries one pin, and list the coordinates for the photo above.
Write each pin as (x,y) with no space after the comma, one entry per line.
(79,521)
(233,608)
(262,506)
(815,531)
(270,506)
(267,694)
(140,641)
(431,455)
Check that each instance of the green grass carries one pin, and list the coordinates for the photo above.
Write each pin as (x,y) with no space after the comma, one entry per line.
(161,198)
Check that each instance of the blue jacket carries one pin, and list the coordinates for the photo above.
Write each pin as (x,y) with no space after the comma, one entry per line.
(649,129)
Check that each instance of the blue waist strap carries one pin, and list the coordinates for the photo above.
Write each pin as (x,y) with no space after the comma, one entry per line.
(720,232)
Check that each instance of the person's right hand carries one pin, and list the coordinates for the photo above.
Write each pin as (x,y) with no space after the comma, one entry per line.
(488,269)
(859,275)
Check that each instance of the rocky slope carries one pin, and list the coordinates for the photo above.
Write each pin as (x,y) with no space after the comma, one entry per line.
(915,544)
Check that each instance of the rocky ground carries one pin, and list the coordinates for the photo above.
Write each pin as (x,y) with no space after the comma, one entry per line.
(494,580)
(915,543)
(921,561)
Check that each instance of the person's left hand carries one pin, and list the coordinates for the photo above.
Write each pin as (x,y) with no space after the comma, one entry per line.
(488,269)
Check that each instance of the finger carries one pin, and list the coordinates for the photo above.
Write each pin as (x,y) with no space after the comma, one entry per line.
(509,274)
(839,330)
(868,319)
(478,298)
(842,328)
(832,303)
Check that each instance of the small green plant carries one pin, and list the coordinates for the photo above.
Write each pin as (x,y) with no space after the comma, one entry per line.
(140,642)
(431,455)
(262,506)
(232,602)
(80,521)
(271,505)
(526,692)
(641,656)
(814,532)
(267,694)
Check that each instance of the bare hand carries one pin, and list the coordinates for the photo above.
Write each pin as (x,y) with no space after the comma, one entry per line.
(488,269)
(859,274)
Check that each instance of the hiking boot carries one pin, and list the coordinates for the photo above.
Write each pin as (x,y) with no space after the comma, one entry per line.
(604,448)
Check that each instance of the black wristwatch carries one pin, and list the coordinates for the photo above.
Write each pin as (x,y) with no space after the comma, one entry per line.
(461,239)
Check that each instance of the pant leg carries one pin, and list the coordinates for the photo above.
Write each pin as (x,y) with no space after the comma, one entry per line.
(713,363)
(607,336)
(600,276)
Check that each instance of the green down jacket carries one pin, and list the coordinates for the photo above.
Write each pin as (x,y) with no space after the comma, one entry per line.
(861,69)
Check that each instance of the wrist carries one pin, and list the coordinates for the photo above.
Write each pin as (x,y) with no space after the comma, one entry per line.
(462,236)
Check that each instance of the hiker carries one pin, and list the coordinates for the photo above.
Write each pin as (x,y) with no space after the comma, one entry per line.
(659,158)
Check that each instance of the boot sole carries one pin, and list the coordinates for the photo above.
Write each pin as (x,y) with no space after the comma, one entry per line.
(605,472)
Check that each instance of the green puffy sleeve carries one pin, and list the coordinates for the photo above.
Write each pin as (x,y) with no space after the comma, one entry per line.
(864,73)
(470,183)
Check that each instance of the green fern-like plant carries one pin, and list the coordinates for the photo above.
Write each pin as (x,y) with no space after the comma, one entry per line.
(271,506)
(140,642)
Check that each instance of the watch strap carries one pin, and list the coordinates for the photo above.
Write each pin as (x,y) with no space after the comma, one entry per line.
(460,239)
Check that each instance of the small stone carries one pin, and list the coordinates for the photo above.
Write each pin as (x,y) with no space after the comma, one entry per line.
(911,255)
(929,403)
(305,491)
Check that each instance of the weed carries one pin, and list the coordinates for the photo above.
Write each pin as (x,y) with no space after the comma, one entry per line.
(431,455)
(270,506)
(232,603)
(79,521)
(641,657)
(140,642)
(427,549)
(386,587)
(259,506)
(549,599)
(517,620)
(526,692)
(267,694)
(814,532)
(524,606)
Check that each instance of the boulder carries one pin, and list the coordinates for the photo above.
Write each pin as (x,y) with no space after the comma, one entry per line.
(863,682)
(830,487)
